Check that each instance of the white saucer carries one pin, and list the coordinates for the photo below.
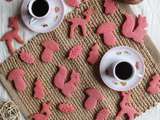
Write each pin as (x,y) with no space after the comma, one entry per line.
(117,54)
(48,24)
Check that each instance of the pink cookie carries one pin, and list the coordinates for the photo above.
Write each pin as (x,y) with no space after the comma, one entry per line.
(154,85)
(66,108)
(71,85)
(44,113)
(94,96)
(27,57)
(67,88)
(75,52)
(39,90)
(46,109)
(39,117)
(102,114)
(50,47)
(73,3)
(12,35)
(126,107)
(74,78)
(60,77)
(93,54)
(134,27)
(107,29)
(110,6)
(17,76)
(82,22)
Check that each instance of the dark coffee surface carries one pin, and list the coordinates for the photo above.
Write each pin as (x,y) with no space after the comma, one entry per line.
(124,70)
(40,8)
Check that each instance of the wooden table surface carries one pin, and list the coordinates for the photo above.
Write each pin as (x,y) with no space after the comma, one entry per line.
(149,8)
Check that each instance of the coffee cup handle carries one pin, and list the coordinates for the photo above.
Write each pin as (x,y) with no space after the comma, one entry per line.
(32,20)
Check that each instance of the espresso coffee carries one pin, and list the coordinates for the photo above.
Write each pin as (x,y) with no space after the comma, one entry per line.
(40,8)
(123,70)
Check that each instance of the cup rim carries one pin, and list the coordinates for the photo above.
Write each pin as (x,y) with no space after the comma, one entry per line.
(31,12)
(114,73)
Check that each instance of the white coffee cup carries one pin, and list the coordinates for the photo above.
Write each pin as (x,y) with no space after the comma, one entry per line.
(35,17)
(119,74)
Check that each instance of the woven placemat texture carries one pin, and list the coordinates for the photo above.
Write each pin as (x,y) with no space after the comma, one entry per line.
(89,73)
